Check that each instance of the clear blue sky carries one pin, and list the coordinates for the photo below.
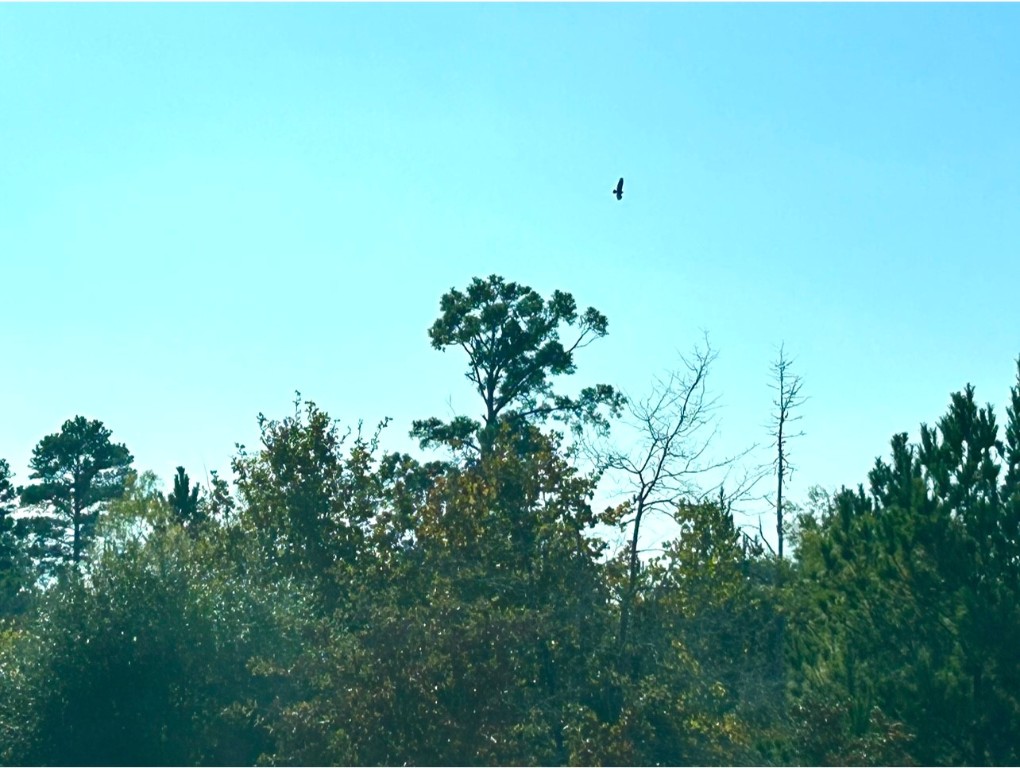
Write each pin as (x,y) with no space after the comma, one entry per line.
(206,207)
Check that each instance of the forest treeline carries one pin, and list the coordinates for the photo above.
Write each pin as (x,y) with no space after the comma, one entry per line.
(336,603)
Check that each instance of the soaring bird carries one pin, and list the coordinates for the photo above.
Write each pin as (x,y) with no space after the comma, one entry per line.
(619,189)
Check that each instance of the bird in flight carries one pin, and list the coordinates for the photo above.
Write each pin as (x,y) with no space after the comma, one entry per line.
(619,189)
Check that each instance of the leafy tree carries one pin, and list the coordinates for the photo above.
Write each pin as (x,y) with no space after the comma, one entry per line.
(484,633)
(78,469)
(219,504)
(704,626)
(512,340)
(308,498)
(135,514)
(146,662)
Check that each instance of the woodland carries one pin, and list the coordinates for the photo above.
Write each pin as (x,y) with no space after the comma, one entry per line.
(335,603)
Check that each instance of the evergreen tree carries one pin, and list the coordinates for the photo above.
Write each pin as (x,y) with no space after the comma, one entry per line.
(915,584)
(14,565)
(78,469)
(185,503)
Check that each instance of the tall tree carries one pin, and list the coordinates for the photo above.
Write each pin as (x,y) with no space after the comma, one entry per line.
(788,398)
(13,561)
(78,469)
(512,340)
(667,461)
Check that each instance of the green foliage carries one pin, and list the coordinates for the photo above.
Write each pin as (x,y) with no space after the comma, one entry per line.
(185,503)
(308,498)
(481,634)
(351,606)
(220,504)
(835,731)
(15,578)
(143,663)
(78,469)
(700,662)
(719,594)
(134,514)
(511,337)
(909,613)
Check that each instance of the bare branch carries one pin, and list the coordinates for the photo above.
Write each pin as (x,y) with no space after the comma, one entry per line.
(788,397)
(675,423)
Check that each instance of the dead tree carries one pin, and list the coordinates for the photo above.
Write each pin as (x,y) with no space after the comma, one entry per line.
(787,386)
(675,425)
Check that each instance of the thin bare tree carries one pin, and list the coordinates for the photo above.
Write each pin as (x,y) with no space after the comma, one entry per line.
(668,462)
(787,386)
